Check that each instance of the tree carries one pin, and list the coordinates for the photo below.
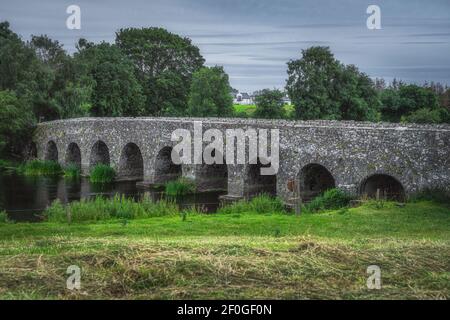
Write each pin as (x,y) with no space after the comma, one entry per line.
(269,104)
(164,64)
(15,122)
(403,100)
(321,87)
(108,78)
(209,95)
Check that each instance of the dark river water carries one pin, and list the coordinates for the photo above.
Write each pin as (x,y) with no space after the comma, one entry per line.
(25,197)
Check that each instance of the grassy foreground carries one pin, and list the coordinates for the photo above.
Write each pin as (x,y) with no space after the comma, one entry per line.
(230,255)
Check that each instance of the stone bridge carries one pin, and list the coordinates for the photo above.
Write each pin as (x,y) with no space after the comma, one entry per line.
(358,157)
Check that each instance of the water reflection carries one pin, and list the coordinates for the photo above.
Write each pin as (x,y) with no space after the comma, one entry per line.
(25,197)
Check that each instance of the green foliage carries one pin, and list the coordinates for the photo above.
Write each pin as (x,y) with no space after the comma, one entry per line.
(100,208)
(321,87)
(72,171)
(423,115)
(261,204)
(40,168)
(115,90)
(164,64)
(209,95)
(409,101)
(15,122)
(102,173)
(329,200)
(179,187)
(269,104)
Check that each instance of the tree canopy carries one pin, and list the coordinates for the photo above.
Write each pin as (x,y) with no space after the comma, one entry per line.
(269,104)
(210,93)
(164,63)
(321,87)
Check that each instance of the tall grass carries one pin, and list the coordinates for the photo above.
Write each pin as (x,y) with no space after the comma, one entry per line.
(179,187)
(101,208)
(102,173)
(72,171)
(329,200)
(260,204)
(40,167)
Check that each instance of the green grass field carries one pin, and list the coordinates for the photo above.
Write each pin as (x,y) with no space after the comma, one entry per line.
(249,110)
(246,255)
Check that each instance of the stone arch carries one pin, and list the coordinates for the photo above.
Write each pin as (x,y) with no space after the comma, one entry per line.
(214,176)
(131,163)
(389,187)
(73,155)
(99,154)
(314,179)
(51,151)
(165,168)
(257,183)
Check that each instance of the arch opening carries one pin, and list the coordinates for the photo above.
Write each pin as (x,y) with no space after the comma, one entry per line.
(384,186)
(131,163)
(73,155)
(314,179)
(257,183)
(99,154)
(212,177)
(51,152)
(165,169)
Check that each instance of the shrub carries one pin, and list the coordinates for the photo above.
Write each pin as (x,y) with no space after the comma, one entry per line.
(260,204)
(329,200)
(102,173)
(72,171)
(40,167)
(179,187)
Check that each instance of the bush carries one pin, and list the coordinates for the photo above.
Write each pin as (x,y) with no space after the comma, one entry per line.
(102,173)
(40,167)
(329,200)
(101,208)
(72,171)
(179,187)
(260,204)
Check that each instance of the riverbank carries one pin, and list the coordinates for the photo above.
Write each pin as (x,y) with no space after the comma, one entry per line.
(235,255)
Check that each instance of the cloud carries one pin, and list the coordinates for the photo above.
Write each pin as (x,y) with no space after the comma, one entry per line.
(253,39)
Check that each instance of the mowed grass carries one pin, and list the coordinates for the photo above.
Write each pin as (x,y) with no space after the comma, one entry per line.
(228,255)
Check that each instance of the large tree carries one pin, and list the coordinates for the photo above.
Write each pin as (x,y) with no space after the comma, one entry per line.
(321,87)
(164,64)
(269,104)
(15,123)
(109,75)
(210,93)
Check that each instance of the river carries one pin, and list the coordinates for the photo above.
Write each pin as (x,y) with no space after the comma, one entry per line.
(25,197)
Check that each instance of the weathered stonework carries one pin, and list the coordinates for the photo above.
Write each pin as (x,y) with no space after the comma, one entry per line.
(417,156)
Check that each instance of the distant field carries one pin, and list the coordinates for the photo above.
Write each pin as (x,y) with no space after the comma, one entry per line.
(250,109)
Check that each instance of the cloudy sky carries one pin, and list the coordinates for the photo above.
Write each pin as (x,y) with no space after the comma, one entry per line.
(253,39)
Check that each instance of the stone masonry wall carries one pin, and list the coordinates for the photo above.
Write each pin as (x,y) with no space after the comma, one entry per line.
(418,156)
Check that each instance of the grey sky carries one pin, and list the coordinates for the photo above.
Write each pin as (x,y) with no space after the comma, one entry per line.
(253,39)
